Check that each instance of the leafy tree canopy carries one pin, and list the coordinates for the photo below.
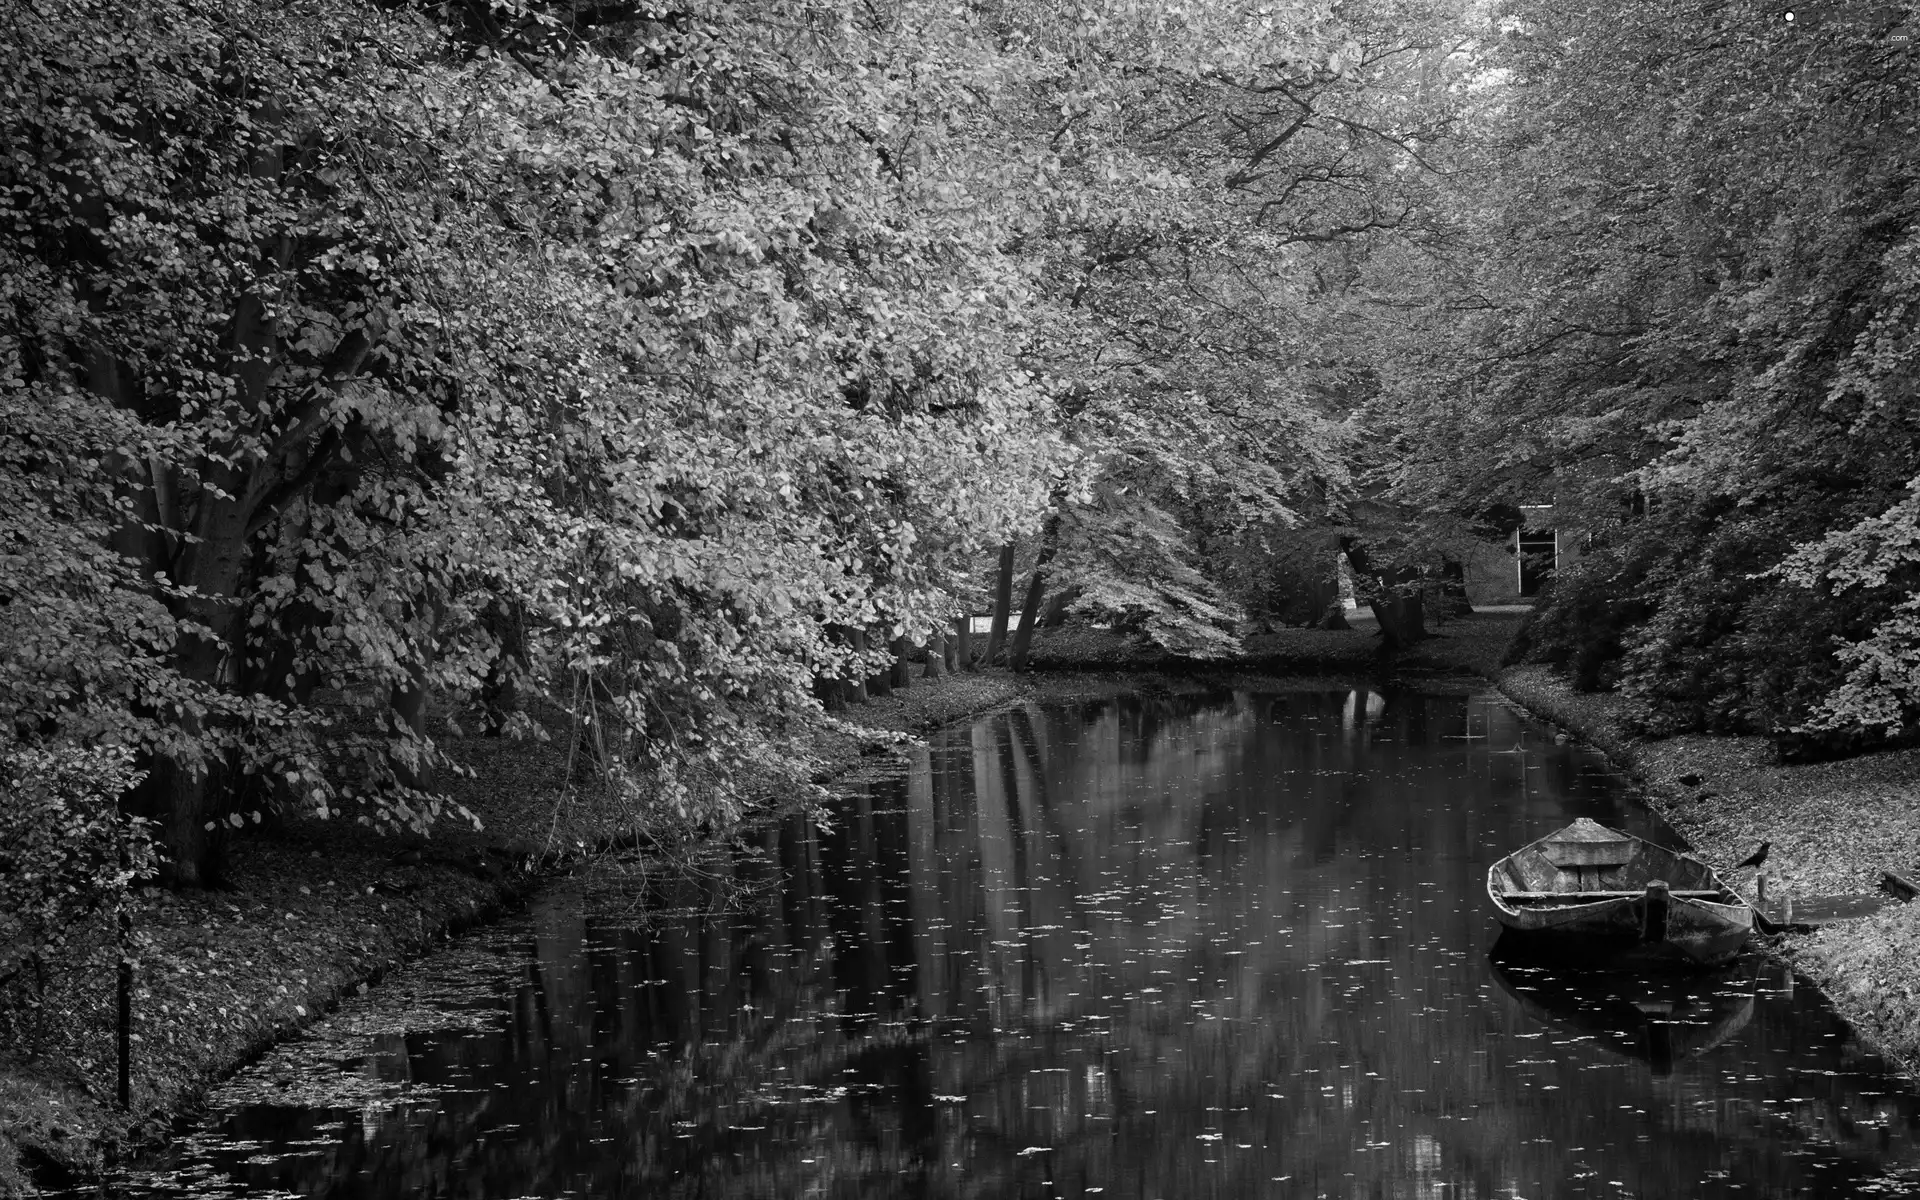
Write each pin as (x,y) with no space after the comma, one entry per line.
(1680,317)
(368,354)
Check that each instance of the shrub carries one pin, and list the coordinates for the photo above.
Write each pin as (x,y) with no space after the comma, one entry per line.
(1687,618)
(1579,621)
(67,853)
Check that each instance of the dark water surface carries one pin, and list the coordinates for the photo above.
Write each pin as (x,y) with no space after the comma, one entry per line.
(1222,944)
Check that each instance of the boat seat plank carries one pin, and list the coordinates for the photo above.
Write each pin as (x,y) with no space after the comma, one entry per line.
(1688,893)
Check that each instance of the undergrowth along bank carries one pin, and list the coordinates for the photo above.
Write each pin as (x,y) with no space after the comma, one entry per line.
(312,911)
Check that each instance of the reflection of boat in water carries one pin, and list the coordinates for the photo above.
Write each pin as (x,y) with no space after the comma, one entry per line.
(1589,884)
(1661,1019)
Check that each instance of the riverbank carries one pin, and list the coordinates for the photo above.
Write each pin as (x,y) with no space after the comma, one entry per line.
(1832,828)
(321,910)
(1473,644)
(313,911)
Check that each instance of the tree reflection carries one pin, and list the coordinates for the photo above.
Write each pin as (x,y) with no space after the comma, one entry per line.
(1194,943)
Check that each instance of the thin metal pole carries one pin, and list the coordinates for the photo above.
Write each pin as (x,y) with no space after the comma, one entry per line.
(125,1030)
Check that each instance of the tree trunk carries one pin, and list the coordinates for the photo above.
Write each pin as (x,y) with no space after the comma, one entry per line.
(830,692)
(1320,590)
(193,790)
(1036,589)
(185,799)
(1397,606)
(408,704)
(408,701)
(1002,605)
(963,642)
(123,1009)
(1402,617)
(1453,590)
(902,672)
(937,664)
(834,691)
(500,692)
(1029,617)
(200,543)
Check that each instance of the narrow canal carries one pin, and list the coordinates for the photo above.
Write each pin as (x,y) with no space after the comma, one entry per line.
(1228,944)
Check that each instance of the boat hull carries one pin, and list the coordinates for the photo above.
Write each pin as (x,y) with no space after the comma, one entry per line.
(1695,932)
(1587,889)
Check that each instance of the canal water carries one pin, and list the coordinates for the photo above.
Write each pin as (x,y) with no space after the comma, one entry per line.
(1209,944)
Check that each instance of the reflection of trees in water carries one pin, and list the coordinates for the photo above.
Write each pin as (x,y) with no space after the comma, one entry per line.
(1141,934)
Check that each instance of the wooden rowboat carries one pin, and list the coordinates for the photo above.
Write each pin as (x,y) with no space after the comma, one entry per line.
(1590,887)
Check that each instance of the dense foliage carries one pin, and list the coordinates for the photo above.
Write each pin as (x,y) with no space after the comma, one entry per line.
(359,361)
(348,352)
(66,854)
(1229,181)
(1685,322)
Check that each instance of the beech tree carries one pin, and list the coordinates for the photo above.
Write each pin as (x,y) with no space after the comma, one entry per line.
(359,351)
(366,364)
